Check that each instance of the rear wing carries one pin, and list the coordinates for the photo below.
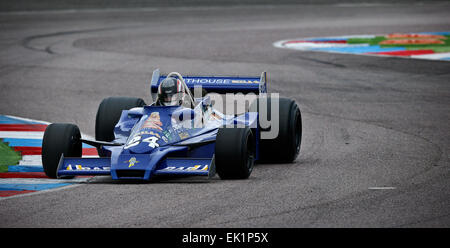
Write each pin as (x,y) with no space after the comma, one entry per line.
(215,84)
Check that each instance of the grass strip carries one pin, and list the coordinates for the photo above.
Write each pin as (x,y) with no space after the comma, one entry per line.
(8,156)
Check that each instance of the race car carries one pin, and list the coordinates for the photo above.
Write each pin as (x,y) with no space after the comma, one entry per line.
(178,136)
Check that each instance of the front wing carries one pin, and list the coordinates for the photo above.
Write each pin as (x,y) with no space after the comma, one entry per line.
(137,166)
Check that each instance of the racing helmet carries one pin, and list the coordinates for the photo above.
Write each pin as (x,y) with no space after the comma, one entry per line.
(171,92)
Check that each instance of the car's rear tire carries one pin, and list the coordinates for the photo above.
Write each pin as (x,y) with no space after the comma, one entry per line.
(286,146)
(108,114)
(234,153)
(59,138)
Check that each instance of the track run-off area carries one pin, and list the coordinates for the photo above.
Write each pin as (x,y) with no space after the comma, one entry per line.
(21,170)
(376,129)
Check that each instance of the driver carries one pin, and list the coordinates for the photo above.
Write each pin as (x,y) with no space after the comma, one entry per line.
(171,92)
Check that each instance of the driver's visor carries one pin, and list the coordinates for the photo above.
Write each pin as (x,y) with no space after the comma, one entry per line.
(172,99)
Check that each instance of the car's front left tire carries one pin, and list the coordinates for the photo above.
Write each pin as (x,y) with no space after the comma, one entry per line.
(59,139)
(234,153)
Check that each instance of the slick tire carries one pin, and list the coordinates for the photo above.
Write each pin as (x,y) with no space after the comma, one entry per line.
(234,153)
(286,146)
(108,114)
(59,138)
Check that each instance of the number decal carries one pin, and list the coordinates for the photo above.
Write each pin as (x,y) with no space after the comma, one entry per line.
(133,142)
(152,141)
(137,139)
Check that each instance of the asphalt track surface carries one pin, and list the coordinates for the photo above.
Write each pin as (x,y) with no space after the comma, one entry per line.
(367,121)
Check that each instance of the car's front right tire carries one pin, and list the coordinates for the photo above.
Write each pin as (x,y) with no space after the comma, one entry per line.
(108,114)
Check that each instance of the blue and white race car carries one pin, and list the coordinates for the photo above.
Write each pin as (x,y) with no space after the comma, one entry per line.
(139,141)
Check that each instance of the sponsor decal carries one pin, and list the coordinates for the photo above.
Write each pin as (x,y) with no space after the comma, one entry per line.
(183,135)
(131,162)
(207,80)
(245,82)
(80,167)
(177,126)
(144,132)
(219,81)
(190,168)
(167,135)
(153,122)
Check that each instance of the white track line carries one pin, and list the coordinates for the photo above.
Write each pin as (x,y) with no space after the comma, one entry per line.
(21,135)
(27,119)
(432,56)
(39,192)
(381,188)
(41,180)
(31,160)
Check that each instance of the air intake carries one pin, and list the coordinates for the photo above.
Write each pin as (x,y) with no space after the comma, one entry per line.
(130,173)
